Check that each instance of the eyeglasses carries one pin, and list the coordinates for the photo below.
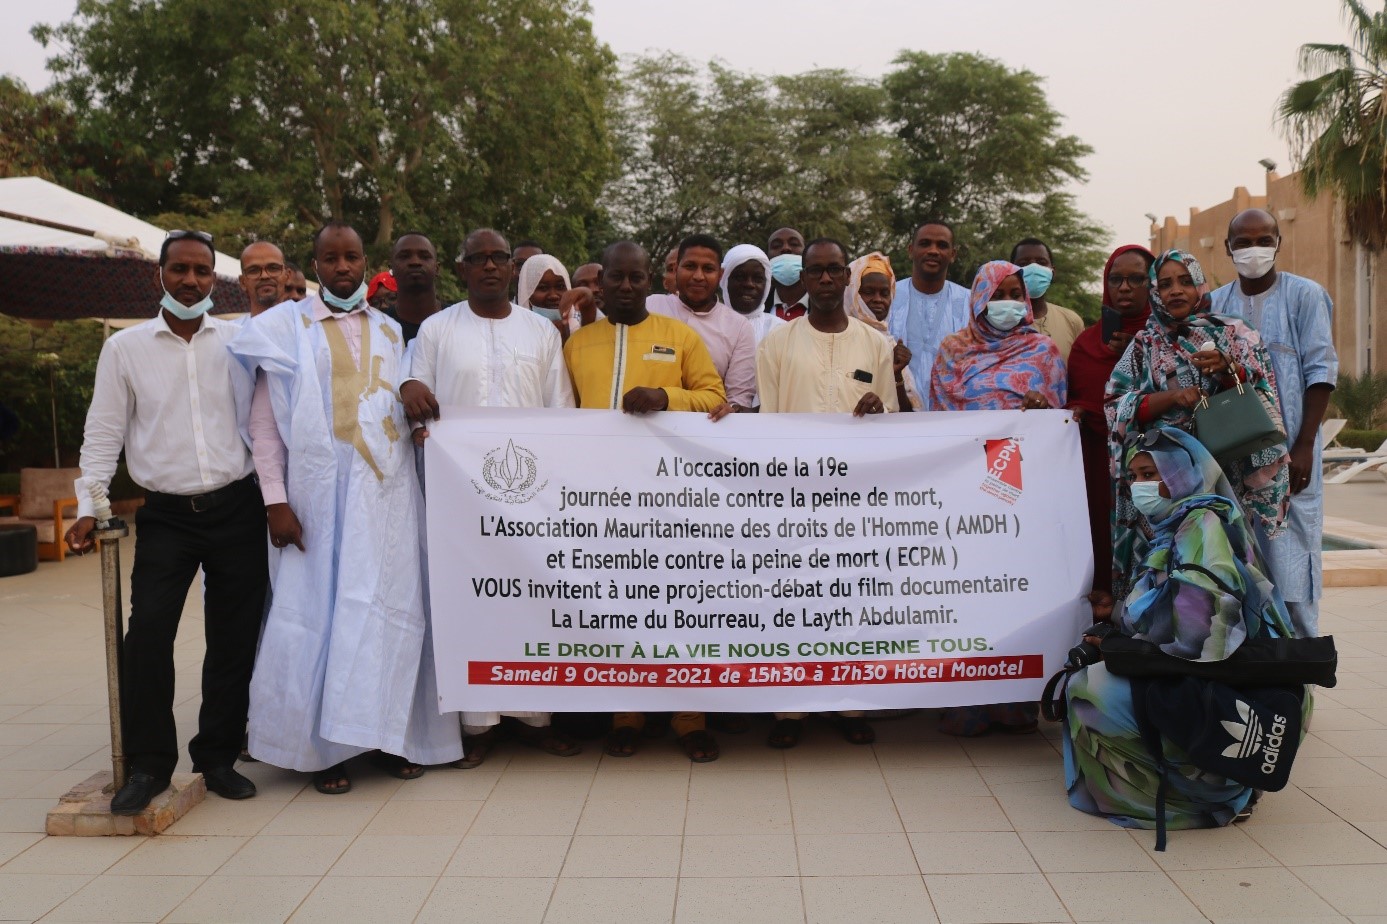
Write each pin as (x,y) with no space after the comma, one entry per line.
(269,269)
(835,270)
(479,260)
(185,235)
(1135,282)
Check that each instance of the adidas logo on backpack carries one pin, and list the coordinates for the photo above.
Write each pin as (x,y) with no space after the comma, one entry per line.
(1248,737)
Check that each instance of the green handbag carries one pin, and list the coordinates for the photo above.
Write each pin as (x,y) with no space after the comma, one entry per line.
(1235,423)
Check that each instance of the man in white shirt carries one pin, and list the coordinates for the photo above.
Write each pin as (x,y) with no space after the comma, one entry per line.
(488,352)
(167,392)
(929,307)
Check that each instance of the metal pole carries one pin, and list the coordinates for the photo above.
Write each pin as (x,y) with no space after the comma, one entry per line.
(108,534)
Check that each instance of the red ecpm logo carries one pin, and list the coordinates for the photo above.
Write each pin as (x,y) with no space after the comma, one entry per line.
(1003,469)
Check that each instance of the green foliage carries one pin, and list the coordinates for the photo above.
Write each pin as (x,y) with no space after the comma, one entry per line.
(1366,440)
(1360,399)
(387,115)
(1337,125)
(39,136)
(980,147)
(67,351)
(739,155)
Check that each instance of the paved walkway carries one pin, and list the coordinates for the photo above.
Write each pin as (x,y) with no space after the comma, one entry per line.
(918,828)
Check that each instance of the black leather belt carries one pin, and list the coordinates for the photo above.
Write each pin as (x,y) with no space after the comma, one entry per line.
(201,503)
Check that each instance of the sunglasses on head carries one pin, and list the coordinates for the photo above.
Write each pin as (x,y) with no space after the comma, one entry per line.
(186,235)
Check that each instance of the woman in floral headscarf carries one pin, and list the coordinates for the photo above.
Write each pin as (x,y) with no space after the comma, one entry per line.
(871,289)
(1200,591)
(1159,381)
(998,362)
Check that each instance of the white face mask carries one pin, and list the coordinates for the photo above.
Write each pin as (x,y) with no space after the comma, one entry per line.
(1254,262)
(1146,497)
(1004,314)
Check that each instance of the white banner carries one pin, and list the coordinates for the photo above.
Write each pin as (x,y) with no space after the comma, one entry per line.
(597,561)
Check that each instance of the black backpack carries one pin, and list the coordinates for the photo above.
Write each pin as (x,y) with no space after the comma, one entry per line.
(1249,735)
(1240,717)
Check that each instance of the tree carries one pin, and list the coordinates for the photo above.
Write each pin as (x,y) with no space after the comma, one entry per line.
(739,155)
(981,148)
(27,360)
(438,114)
(1336,122)
(39,136)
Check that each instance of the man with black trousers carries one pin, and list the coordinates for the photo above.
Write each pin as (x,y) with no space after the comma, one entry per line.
(168,392)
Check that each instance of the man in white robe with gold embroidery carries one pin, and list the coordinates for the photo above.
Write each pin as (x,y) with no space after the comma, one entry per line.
(489,352)
(345,665)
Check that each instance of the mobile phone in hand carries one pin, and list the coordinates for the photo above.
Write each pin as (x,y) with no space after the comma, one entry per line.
(1112,323)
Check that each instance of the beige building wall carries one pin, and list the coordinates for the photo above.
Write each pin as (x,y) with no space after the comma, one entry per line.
(1314,244)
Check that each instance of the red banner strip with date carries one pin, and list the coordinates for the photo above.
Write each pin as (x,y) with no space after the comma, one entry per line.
(782,674)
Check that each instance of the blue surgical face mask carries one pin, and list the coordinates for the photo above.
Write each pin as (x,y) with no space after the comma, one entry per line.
(787,268)
(1037,279)
(1146,497)
(1005,314)
(342,304)
(180,310)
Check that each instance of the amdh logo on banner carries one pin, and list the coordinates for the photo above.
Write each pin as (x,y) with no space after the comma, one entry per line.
(510,474)
(1003,479)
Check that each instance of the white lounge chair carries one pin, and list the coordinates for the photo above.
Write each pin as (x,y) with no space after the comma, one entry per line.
(1357,463)
(1329,431)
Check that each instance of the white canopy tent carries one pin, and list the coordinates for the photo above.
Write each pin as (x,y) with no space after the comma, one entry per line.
(110,228)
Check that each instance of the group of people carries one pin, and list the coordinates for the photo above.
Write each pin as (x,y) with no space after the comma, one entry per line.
(307,420)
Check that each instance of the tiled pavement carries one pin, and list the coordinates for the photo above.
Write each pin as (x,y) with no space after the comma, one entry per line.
(918,828)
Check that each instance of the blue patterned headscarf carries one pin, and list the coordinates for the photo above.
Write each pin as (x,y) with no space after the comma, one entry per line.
(1215,554)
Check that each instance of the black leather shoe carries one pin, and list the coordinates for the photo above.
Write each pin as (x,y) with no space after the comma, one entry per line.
(227,783)
(136,793)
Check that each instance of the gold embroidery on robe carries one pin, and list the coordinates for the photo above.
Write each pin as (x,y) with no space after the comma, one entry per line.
(352,384)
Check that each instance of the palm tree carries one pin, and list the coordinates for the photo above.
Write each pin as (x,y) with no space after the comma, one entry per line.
(1336,120)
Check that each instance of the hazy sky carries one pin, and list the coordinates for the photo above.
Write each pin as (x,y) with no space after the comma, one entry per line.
(1176,98)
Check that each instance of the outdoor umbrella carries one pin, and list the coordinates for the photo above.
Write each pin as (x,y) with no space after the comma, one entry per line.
(65,256)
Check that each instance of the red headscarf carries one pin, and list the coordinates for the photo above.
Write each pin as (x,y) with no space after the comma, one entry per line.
(1090,360)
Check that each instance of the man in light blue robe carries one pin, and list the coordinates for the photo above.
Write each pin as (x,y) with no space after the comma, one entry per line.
(930,307)
(1295,317)
(344,665)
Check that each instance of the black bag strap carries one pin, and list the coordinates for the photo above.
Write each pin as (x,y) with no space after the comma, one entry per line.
(1056,689)
(1151,737)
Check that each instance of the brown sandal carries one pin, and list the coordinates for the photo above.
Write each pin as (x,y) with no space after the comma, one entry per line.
(474,750)
(546,739)
(701,747)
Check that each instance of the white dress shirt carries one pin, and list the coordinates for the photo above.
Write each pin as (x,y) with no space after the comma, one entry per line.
(471,361)
(171,404)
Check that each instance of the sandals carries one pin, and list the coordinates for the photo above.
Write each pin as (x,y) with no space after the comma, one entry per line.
(546,739)
(855,729)
(700,746)
(400,768)
(785,733)
(328,782)
(623,742)
(474,750)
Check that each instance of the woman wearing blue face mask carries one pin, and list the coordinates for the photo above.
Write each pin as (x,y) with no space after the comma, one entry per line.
(998,362)
(1200,591)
